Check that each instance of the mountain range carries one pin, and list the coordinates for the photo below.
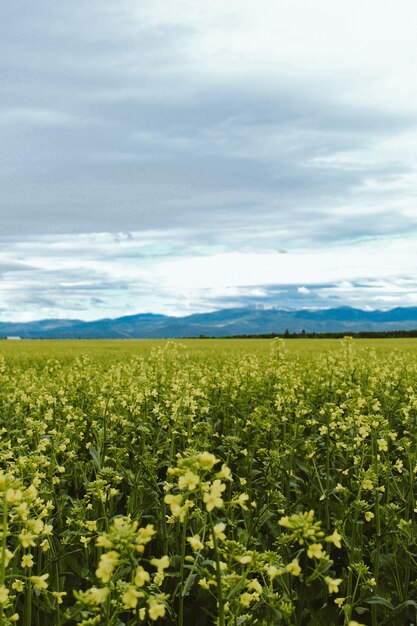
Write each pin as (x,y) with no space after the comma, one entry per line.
(223,323)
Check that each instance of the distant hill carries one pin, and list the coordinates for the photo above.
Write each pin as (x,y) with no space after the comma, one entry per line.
(223,323)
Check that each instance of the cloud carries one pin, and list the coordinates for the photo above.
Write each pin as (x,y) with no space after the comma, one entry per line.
(106,275)
(120,130)
(20,116)
(148,144)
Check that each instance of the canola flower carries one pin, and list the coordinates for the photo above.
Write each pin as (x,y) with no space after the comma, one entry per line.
(257,482)
(213,497)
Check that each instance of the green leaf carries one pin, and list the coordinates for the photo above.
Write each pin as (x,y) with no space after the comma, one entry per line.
(381,601)
(188,583)
(405,604)
(95,456)
(361,610)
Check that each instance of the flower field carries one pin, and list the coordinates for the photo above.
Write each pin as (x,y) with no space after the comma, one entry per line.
(208,483)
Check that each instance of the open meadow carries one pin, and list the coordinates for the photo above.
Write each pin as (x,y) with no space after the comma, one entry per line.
(208,482)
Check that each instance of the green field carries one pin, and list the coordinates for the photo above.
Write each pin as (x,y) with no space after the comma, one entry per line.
(206,482)
(118,349)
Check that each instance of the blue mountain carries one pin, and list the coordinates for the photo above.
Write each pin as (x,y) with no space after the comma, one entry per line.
(222,323)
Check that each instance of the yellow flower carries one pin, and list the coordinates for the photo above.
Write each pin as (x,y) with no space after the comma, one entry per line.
(106,565)
(36,525)
(141,576)
(161,563)
(91,525)
(13,495)
(382,445)
(45,545)
(246,558)
(332,584)
(59,595)
(144,535)
(334,538)
(130,597)
(225,473)
(315,551)
(218,531)
(189,481)
(98,595)
(103,541)
(241,501)
(40,581)
(294,567)
(8,555)
(156,608)
(274,571)
(47,529)
(285,521)
(195,542)
(207,460)
(18,585)
(175,503)
(399,465)
(27,540)
(4,595)
(27,560)
(246,598)
(254,585)
(213,499)
(369,516)
(31,492)
(355,623)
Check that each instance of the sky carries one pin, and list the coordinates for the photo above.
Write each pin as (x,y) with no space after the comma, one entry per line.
(186,156)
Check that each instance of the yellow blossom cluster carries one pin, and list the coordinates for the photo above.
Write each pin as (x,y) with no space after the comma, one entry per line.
(125,538)
(23,514)
(191,471)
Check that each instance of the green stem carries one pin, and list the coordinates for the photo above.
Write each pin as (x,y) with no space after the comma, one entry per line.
(181,597)
(58,612)
(326,501)
(4,547)
(351,595)
(220,598)
(28,604)
(104,444)
(378,532)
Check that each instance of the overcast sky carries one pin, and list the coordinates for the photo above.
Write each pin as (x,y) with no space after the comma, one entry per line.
(181,156)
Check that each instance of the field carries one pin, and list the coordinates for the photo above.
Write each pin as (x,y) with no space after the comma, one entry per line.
(204,482)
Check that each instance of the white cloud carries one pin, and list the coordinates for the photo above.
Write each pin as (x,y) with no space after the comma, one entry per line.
(363,49)
(377,259)
(218,134)
(103,275)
